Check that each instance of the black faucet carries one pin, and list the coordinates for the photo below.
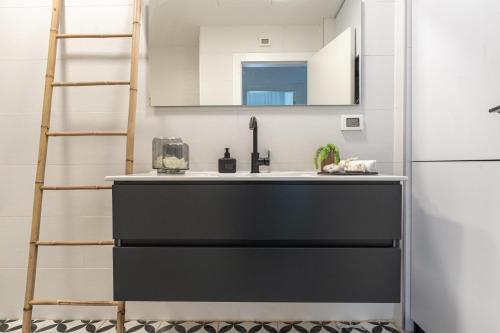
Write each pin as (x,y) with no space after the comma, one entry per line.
(256,160)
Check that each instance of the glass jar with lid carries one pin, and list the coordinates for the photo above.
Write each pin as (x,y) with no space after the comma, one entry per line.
(170,155)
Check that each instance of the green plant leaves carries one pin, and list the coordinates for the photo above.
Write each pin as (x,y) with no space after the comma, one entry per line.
(323,152)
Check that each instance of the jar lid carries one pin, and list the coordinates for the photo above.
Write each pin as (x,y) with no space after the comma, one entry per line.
(173,139)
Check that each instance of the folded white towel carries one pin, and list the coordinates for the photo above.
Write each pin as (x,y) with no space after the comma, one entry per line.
(352,165)
(361,166)
(332,168)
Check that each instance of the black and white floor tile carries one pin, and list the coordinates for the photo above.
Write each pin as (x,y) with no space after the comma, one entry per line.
(142,326)
(188,327)
(247,327)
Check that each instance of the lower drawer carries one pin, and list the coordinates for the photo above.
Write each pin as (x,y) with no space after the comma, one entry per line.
(249,274)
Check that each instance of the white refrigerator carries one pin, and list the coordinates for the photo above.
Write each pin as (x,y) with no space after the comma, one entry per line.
(455,225)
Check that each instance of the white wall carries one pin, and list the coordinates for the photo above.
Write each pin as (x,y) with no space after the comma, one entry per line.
(292,134)
(329,32)
(174,76)
(349,16)
(219,43)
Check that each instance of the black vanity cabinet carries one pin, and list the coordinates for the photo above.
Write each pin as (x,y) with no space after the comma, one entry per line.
(257,241)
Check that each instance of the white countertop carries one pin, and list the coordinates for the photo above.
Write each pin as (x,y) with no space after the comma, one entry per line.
(246,176)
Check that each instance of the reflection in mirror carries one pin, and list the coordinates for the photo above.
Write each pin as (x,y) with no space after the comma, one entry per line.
(254,52)
(274,83)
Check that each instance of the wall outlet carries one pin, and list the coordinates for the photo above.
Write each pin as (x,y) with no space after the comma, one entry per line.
(264,42)
(352,122)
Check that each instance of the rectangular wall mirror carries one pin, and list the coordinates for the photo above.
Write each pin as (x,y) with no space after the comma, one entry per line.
(254,52)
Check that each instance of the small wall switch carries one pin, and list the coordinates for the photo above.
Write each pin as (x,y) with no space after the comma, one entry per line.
(352,122)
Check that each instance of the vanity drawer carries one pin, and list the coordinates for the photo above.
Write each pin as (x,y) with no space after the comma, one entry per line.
(246,274)
(257,212)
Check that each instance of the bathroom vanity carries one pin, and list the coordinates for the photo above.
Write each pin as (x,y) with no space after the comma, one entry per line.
(275,237)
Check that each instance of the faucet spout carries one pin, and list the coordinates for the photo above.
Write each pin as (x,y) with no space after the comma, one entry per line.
(253,127)
(255,156)
(253,123)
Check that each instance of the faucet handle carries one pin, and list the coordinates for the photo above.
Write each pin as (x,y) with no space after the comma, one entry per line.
(267,159)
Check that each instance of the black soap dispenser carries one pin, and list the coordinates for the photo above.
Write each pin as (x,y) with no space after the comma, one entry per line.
(227,164)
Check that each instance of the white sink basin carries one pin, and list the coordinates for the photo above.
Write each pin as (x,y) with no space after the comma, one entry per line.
(246,174)
(201,174)
(285,174)
(241,174)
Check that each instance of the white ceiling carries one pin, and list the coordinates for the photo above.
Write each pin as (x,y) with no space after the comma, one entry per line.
(177,22)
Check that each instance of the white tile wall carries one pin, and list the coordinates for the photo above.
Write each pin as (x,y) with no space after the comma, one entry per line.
(291,135)
(379,27)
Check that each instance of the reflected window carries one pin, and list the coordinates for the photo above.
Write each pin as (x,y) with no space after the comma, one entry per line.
(270,98)
(274,83)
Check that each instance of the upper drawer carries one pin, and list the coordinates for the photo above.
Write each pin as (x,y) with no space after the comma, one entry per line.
(257,212)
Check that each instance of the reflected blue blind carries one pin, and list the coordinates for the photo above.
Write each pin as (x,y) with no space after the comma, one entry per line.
(270,97)
(274,83)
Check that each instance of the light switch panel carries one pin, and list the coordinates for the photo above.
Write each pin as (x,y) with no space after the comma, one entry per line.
(352,122)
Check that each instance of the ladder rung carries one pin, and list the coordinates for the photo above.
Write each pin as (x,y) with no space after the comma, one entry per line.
(69,302)
(88,133)
(64,36)
(76,187)
(74,243)
(90,83)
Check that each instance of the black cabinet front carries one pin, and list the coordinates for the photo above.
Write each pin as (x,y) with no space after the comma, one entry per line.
(245,274)
(257,241)
(257,212)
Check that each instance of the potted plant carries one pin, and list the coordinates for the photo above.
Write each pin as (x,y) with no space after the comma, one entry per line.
(326,155)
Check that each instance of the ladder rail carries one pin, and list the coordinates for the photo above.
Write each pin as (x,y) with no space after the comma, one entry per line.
(45,134)
(42,162)
(134,73)
(132,105)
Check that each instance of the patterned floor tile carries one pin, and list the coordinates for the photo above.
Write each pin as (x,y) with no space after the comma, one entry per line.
(10,325)
(295,326)
(188,327)
(38,325)
(381,327)
(89,326)
(247,327)
(108,326)
(68,326)
(351,327)
(324,327)
(140,326)
(52,326)
(100,324)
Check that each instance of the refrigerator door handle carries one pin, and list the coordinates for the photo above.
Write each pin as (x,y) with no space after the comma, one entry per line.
(495,109)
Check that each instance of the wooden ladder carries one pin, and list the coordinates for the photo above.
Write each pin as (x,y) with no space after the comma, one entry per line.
(46,133)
